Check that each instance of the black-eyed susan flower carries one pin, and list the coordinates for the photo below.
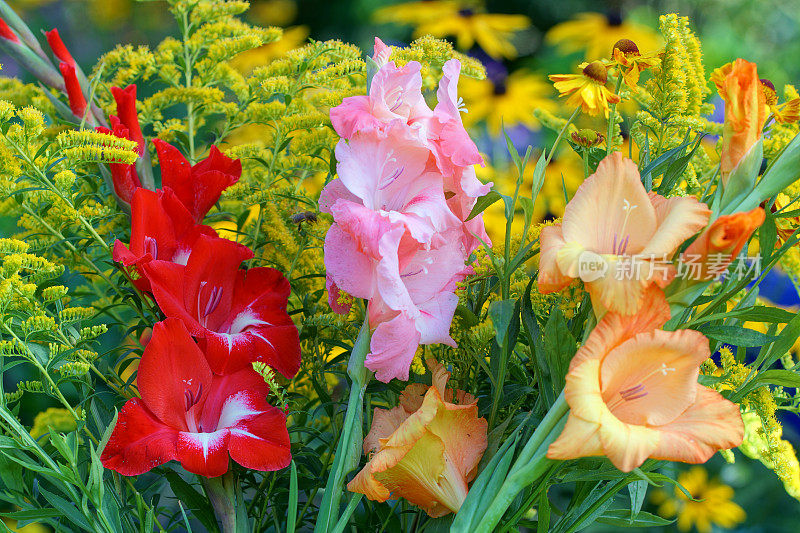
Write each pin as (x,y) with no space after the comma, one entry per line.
(467,21)
(784,113)
(631,62)
(587,89)
(595,34)
(711,504)
(507,99)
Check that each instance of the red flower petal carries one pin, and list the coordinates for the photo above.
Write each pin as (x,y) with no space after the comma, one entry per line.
(139,441)
(126,110)
(205,454)
(234,397)
(198,187)
(7,33)
(261,443)
(167,284)
(258,328)
(211,274)
(173,374)
(77,102)
(58,47)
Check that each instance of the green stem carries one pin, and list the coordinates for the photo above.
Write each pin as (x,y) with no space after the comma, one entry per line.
(348,450)
(585,153)
(561,133)
(221,492)
(611,117)
(187,63)
(531,463)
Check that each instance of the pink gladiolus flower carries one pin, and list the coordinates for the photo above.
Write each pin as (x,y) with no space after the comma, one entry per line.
(406,186)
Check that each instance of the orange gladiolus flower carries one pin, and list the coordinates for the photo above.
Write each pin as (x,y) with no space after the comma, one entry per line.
(633,394)
(617,238)
(425,450)
(721,242)
(745,111)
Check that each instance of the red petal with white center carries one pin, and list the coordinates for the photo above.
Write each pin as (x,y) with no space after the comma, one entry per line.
(205,454)
(258,327)
(276,346)
(233,398)
(261,443)
(173,373)
(139,441)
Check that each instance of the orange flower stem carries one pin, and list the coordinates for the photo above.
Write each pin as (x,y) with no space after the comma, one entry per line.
(531,463)
(348,449)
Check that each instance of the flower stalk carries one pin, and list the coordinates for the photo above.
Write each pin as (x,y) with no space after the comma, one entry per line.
(529,466)
(348,449)
(223,492)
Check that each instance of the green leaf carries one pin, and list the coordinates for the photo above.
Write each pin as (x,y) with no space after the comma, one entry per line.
(637,491)
(69,510)
(742,180)
(484,202)
(195,501)
(782,173)
(501,312)
(737,336)
(776,376)
(758,313)
(291,511)
(559,347)
(621,518)
(538,177)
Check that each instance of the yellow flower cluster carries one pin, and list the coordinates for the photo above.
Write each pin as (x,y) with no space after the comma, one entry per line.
(763,431)
(55,418)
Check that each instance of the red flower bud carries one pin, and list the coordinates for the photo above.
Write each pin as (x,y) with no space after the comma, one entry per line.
(7,33)
(77,102)
(126,110)
(124,177)
(58,48)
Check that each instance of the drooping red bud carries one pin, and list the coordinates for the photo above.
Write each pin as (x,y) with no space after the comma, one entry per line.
(126,110)
(58,47)
(77,102)
(7,33)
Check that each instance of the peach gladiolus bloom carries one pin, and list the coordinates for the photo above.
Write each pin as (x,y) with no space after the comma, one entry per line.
(721,242)
(426,449)
(617,238)
(745,111)
(633,394)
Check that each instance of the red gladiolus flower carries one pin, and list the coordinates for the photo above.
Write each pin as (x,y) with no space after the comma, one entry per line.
(77,102)
(187,413)
(161,228)
(7,33)
(126,180)
(240,316)
(199,186)
(128,116)
(58,47)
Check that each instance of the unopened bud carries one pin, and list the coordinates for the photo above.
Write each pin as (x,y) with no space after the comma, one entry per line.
(587,138)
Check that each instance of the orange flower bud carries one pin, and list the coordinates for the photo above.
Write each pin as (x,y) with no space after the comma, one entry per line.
(426,449)
(745,111)
(722,241)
